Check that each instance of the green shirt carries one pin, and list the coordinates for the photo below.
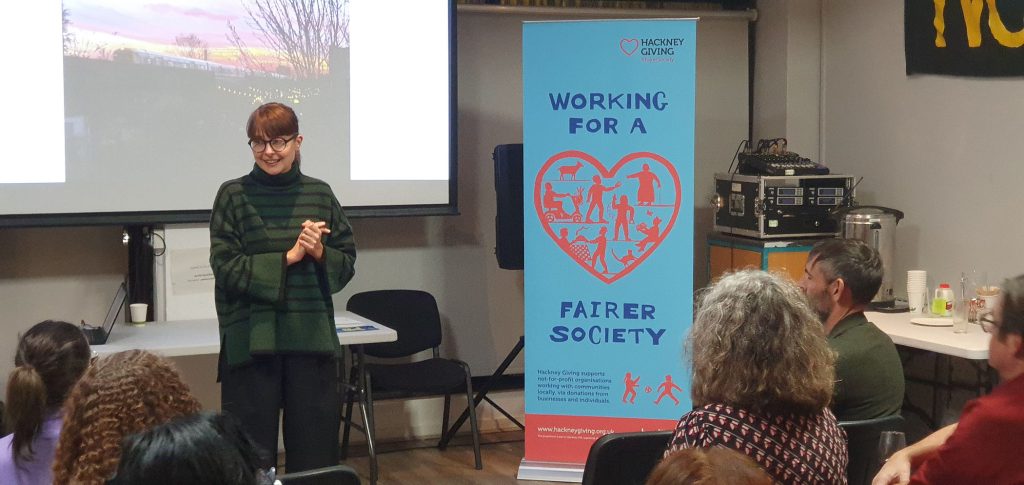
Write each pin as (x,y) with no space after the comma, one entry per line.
(263,305)
(869,374)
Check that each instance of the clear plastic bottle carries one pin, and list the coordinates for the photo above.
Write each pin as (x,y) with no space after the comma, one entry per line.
(942,302)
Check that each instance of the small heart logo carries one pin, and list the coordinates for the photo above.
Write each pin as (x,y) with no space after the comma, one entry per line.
(629,46)
(607,221)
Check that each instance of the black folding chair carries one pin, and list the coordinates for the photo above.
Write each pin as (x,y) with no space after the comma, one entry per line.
(413,314)
(625,458)
(332,475)
(862,444)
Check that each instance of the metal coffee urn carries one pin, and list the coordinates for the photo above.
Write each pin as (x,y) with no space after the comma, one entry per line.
(876,226)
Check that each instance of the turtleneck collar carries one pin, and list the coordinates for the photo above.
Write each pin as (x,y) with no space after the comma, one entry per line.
(288,178)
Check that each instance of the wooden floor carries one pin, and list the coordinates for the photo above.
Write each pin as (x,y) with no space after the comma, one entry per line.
(413,463)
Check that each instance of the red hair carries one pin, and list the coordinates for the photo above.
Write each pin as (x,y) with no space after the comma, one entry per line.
(272,120)
(121,394)
(713,466)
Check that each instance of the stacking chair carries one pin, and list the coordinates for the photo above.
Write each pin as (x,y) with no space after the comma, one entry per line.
(862,444)
(332,475)
(413,314)
(625,458)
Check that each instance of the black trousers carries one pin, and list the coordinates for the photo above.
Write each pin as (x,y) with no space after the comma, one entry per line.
(306,388)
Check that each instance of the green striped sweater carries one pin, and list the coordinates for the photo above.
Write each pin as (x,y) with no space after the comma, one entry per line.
(265,306)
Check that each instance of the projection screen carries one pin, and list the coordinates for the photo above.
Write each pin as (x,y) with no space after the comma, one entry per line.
(132,111)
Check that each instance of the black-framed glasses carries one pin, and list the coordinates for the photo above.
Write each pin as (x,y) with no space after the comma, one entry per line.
(276,144)
(988,324)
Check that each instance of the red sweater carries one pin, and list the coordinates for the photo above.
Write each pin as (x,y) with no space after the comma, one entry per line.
(985,447)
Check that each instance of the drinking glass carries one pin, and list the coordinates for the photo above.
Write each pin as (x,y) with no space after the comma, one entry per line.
(979,279)
(961,309)
(890,442)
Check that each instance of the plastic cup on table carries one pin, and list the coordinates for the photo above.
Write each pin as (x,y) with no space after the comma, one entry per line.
(917,291)
(138,313)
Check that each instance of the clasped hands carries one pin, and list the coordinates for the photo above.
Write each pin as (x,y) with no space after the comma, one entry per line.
(309,242)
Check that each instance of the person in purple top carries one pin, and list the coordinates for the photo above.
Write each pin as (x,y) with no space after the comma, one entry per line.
(50,358)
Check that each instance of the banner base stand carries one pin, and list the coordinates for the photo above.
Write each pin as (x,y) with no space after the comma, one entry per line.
(550,472)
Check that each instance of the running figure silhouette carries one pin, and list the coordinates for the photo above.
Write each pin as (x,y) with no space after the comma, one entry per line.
(666,390)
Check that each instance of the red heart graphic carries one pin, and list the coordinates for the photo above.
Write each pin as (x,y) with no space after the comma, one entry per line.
(652,207)
(629,46)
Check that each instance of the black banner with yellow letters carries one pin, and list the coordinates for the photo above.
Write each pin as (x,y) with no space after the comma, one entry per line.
(982,38)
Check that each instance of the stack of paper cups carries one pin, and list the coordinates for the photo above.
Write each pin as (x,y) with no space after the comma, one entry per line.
(917,290)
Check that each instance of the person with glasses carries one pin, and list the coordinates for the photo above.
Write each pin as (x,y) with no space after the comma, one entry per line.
(280,246)
(983,446)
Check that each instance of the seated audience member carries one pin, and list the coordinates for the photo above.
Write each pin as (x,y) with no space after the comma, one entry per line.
(120,394)
(715,466)
(762,380)
(50,357)
(983,446)
(840,279)
(202,449)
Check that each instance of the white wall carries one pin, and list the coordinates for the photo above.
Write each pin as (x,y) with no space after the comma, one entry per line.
(66,274)
(787,73)
(942,149)
(939,148)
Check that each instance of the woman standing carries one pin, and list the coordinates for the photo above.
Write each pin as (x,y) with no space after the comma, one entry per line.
(280,247)
(762,381)
(50,358)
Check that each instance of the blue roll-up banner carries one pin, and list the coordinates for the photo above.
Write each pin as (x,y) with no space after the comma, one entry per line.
(608,115)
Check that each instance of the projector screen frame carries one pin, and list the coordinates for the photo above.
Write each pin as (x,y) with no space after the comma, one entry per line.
(152,218)
(157,218)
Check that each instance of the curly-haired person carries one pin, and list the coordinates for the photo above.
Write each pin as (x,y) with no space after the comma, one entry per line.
(120,394)
(762,381)
(50,358)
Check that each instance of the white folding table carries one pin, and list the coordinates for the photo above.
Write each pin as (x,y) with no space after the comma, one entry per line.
(944,343)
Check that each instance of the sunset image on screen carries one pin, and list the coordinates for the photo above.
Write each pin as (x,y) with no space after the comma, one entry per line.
(276,38)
